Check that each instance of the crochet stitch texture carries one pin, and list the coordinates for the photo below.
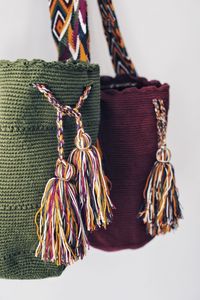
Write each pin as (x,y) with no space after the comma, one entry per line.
(28,151)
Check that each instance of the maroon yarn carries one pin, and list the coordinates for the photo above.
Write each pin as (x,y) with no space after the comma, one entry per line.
(128,138)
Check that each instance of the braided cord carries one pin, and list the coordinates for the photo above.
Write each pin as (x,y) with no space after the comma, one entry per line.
(60,135)
(161,117)
(121,62)
(63,110)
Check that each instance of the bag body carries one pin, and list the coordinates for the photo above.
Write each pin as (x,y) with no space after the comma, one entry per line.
(28,153)
(132,129)
(128,139)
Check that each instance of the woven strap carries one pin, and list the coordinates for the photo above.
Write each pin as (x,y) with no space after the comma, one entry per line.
(70,29)
(121,62)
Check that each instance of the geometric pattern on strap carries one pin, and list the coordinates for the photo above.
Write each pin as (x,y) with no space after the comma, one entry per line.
(121,62)
(70,29)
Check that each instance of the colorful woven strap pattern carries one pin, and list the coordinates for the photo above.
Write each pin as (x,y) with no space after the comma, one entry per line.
(121,62)
(70,28)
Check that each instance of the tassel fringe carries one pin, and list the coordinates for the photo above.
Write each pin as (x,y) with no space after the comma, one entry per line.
(61,234)
(161,210)
(77,198)
(96,205)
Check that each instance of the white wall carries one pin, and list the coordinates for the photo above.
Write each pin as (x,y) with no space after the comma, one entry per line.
(164,40)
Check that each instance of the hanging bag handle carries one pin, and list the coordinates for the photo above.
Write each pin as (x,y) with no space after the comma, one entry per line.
(69,26)
(70,31)
(121,62)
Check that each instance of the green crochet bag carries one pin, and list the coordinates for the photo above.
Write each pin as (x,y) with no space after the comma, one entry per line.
(28,152)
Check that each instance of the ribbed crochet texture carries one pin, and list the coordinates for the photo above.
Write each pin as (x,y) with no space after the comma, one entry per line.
(128,138)
(28,152)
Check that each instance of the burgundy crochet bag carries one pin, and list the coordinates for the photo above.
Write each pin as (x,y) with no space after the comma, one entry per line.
(132,129)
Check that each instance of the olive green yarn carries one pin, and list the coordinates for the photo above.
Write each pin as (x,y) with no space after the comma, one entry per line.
(28,151)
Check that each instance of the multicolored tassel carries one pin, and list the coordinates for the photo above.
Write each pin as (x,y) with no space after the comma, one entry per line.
(60,230)
(161,210)
(93,190)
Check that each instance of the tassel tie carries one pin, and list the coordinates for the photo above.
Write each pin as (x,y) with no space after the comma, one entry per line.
(161,210)
(60,230)
(77,197)
(93,190)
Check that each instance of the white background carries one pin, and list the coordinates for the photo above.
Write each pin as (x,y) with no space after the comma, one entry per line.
(163,38)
